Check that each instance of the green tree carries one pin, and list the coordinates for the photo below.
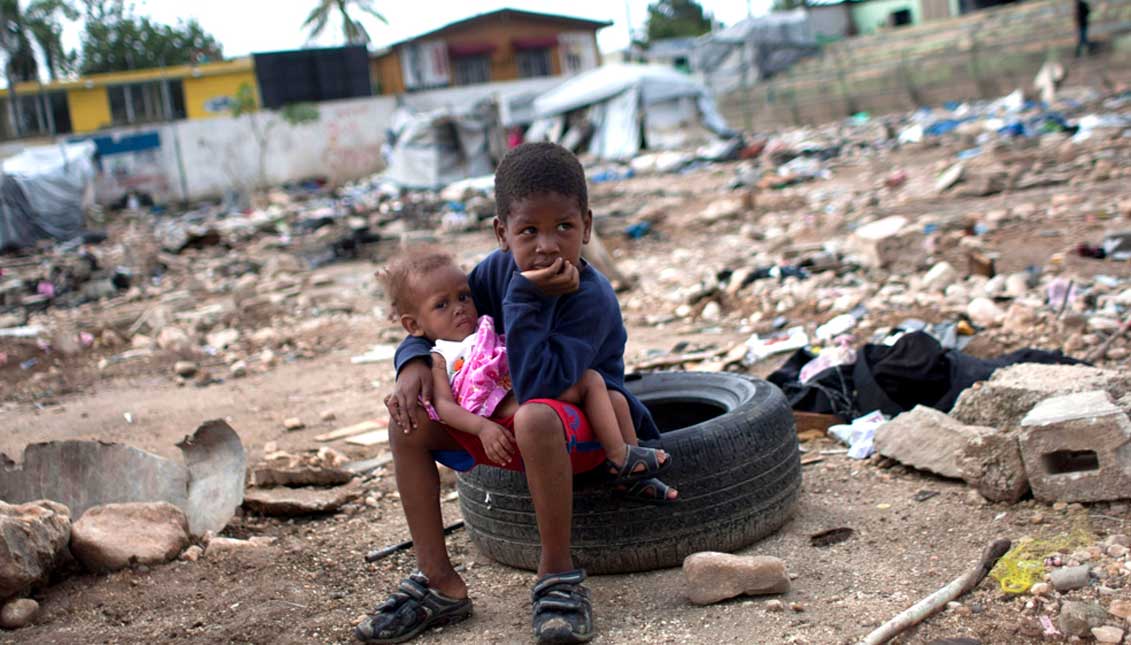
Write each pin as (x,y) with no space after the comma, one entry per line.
(116,39)
(39,24)
(352,28)
(677,19)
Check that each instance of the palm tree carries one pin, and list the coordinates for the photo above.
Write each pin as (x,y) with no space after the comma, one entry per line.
(39,23)
(352,28)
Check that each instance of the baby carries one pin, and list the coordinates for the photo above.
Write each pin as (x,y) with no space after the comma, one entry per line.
(472,392)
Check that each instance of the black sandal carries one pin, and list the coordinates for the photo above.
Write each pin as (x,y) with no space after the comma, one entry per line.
(562,611)
(413,608)
(637,456)
(649,491)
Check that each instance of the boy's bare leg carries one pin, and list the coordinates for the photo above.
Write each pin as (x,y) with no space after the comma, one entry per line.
(541,441)
(592,395)
(418,482)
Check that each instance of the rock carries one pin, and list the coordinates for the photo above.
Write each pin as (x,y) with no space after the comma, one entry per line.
(713,576)
(238,369)
(884,243)
(1019,319)
(1012,391)
(174,339)
(1116,550)
(33,542)
(328,415)
(1118,538)
(112,536)
(991,462)
(268,476)
(712,312)
(1078,618)
(984,313)
(775,605)
(288,502)
(18,613)
(1069,578)
(1040,589)
(293,423)
(185,369)
(1107,634)
(223,338)
(926,439)
(1077,448)
(1017,285)
(723,209)
(219,545)
(1120,608)
(939,277)
(192,554)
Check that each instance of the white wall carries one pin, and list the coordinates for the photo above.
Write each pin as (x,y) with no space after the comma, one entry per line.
(225,153)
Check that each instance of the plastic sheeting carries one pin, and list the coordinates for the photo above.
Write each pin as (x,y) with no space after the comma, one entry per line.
(43,192)
(622,98)
(433,149)
(753,49)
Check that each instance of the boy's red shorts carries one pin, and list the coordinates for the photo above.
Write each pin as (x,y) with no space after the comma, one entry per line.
(585,451)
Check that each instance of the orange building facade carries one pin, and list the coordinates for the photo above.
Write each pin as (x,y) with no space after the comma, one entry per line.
(502,45)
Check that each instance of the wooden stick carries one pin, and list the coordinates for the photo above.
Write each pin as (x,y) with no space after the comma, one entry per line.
(1099,351)
(936,601)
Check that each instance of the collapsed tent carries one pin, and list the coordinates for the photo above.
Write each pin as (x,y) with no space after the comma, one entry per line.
(429,150)
(622,109)
(43,193)
(753,49)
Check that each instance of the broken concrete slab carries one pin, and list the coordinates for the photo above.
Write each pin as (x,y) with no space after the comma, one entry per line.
(928,440)
(114,536)
(1077,448)
(1011,392)
(992,463)
(268,475)
(83,474)
(883,243)
(33,542)
(287,502)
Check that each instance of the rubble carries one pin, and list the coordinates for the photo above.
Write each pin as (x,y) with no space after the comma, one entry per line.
(18,613)
(289,502)
(114,536)
(712,576)
(1077,448)
(35,538)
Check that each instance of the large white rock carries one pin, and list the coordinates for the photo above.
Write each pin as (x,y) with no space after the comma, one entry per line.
(109,537)
(33,540)
(713,576)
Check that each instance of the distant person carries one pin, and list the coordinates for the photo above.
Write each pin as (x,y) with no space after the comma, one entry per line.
(1082,12)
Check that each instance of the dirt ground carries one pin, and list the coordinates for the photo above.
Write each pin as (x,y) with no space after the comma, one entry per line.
(313,585)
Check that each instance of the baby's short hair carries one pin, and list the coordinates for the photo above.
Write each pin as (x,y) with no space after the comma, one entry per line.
(400,273)
(536,169)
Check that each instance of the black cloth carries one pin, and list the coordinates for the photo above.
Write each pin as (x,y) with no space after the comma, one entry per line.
(916,370)
(1082,12)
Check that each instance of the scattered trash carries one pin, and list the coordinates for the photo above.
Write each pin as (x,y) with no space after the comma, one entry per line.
(759,348)
(859,435)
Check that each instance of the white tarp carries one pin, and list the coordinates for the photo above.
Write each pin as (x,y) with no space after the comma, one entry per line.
(43,193)
(622,98)
(433,149)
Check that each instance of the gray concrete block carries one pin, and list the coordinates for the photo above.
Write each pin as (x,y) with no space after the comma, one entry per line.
(1004,400)
(1077,448)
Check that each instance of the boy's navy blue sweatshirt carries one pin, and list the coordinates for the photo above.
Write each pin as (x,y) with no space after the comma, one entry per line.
(551,340)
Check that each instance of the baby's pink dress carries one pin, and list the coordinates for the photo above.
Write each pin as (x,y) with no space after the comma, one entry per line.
(477,369)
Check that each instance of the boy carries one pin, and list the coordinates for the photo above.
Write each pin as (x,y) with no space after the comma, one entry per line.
(560,318)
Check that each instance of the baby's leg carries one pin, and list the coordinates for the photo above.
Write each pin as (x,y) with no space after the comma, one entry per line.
(624,418)
(593,397)
(508,407)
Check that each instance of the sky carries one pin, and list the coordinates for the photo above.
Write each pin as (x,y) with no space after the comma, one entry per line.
(246,26)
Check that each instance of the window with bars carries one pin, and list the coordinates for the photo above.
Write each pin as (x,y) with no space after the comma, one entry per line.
(147,102)
(533,63)
(468,70)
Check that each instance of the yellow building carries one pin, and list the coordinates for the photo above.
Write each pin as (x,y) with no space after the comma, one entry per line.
(101,101)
